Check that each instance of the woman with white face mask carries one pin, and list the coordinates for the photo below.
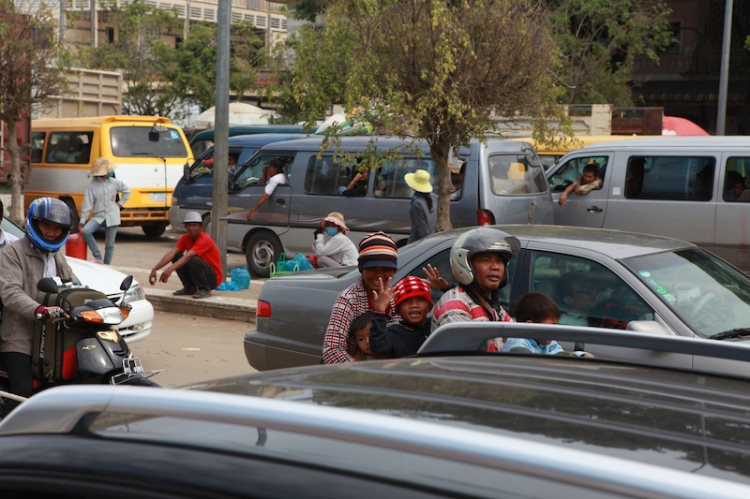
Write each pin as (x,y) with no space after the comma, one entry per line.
(332,247)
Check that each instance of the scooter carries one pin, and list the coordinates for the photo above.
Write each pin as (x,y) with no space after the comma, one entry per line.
(84,347)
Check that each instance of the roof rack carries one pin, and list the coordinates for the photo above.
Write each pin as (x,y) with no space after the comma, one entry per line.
(469,337)
(72,409)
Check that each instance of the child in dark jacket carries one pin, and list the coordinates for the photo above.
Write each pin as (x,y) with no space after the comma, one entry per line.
(413,302)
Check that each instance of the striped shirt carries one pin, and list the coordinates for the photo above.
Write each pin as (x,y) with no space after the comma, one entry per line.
(339,346)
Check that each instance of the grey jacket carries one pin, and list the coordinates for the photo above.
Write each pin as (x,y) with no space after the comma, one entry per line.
(423,220)
(21,267)
(99,200)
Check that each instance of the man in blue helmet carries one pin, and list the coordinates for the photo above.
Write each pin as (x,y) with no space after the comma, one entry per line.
(22,264)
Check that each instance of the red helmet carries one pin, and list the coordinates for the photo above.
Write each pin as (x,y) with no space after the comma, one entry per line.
(410,287)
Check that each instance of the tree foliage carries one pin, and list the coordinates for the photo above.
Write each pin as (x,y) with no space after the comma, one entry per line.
(599,41)
(141,55)
(31,70)
(428,69)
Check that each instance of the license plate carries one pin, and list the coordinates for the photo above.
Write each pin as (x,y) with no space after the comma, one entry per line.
(158,197)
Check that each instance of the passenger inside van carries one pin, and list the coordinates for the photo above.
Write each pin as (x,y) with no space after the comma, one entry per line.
(634,178)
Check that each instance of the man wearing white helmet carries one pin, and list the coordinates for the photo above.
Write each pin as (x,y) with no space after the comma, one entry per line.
(196,260)
(479,260)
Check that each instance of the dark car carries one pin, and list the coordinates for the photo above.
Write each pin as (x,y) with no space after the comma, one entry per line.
(636,281)
(459,425)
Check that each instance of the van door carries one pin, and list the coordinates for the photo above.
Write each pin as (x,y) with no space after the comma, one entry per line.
(733,211)
(250,183)
(582,210)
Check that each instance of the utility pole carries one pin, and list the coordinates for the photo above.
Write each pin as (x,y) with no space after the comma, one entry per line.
(94,25)
(721,117)
(221,133)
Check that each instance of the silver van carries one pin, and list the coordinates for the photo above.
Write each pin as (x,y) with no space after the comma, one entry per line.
(689,188)
(500,182)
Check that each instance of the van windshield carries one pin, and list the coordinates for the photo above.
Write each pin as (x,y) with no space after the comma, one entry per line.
(145,141)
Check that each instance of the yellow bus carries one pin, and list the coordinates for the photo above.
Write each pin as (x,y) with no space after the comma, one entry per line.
(149,151)
(549,155)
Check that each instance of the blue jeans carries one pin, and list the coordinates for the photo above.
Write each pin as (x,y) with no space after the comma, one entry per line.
(109,240)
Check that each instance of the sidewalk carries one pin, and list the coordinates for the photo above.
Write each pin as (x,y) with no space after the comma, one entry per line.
(233,305)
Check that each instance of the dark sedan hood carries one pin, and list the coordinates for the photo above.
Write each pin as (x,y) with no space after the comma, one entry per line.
(646,414)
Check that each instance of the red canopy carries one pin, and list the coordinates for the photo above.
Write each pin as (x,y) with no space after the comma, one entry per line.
(672,125)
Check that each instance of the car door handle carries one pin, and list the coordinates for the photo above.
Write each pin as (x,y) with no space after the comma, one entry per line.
(281,202)
(594,209)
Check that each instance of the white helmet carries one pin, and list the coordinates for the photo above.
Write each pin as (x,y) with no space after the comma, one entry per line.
(193,217)
(480,240)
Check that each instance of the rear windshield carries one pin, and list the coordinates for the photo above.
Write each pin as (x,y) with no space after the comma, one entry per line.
(141,141)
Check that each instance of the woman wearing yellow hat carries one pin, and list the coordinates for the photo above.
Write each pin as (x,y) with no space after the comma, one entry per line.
(423,208)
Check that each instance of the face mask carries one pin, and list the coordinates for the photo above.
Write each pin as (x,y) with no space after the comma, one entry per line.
(331,231)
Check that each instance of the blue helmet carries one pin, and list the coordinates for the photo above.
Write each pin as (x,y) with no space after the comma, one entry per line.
(51,211)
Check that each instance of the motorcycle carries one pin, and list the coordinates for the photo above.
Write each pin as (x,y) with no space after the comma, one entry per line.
(83,347)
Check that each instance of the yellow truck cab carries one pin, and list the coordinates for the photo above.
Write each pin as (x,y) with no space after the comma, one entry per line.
(149,151)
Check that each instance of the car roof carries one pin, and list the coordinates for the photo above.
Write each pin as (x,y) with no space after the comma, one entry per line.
(671,142)
(614,243)
(250,129)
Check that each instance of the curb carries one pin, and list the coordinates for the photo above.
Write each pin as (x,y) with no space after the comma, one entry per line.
(218,307)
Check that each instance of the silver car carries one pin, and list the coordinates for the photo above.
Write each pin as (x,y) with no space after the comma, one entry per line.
(634,280)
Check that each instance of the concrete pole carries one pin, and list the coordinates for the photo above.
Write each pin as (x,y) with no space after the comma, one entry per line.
(94,25)
(62,22)
(721,117)
(221,133)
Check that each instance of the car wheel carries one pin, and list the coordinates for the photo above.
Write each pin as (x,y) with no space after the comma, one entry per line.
(154,230)
(263,248)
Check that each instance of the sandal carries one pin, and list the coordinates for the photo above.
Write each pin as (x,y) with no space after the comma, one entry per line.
(202,293)
(183,292)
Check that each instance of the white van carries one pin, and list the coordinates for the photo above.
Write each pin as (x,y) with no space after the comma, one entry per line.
(690,188)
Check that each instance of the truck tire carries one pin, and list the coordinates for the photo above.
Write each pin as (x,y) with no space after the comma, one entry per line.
(154,230)
(261,250)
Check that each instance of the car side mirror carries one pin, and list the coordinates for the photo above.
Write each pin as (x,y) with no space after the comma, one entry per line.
(650,327)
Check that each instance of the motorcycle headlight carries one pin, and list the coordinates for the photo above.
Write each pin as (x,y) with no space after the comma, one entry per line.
(135,293)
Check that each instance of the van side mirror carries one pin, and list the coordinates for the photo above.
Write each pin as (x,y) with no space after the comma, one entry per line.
(186,171)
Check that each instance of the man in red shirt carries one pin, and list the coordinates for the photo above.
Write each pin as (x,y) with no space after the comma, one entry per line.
(196,260)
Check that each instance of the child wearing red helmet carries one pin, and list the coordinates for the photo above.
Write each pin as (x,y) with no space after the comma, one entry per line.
(413,301)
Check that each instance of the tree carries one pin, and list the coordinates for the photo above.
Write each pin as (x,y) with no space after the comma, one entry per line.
(599,41)
(141,56)
(31,70)
(431,69)
(194,75)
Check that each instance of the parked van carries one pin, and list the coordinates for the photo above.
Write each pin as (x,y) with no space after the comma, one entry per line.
(203,140)
(692,188)
(149,151)
(502,181)
(195,190)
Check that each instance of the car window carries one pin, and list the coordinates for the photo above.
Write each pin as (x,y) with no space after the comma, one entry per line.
(737,180)
(441,261)
(37,146)
(571,171)
(251,173)
(587,293)
(677,178)
(516,174)
(708,294)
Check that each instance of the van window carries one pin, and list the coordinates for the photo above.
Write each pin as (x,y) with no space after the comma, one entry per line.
(37,146)
(737,180)
(69,147)
(514,174)
(571,171)
(253,173)
(391,177)
(325,177)
(135,141)
(677,178)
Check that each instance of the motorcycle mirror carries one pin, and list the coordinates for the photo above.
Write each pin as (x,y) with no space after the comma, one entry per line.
(47,285)
(126,283)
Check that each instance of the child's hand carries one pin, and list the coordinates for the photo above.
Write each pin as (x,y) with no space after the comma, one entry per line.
(382,299)
(436,281)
